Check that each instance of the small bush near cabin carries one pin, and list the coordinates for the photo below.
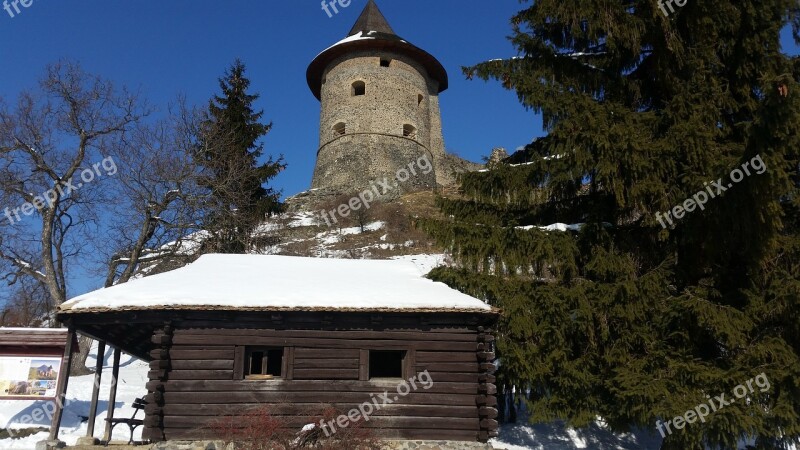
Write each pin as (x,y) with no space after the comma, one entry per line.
(264,428)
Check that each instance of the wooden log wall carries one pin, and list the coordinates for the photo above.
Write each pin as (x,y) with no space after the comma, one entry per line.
(160,367)
(196,376)
(487,400)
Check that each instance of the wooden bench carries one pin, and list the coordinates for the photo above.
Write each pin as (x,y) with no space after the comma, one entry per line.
(133,422)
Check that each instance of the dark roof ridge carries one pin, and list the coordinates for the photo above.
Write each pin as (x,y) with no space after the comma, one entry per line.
(371,19)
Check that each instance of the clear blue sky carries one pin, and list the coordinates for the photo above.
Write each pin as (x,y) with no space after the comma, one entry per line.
(166,48)
(181,46)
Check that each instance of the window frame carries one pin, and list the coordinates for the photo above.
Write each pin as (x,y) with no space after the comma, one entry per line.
(407,365)
(409,131)
(358,86)
(242,363)
(339,129)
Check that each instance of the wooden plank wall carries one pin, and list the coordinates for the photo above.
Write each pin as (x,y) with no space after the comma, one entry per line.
(193,379)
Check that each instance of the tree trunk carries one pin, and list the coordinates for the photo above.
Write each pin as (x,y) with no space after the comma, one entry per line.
(501,403)
(79,362)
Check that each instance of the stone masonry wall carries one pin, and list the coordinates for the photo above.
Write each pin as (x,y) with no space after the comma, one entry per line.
(373,145)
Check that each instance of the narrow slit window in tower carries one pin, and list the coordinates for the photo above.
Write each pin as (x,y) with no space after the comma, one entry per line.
(340,129)
(359,88)
(419,99)
(409,131)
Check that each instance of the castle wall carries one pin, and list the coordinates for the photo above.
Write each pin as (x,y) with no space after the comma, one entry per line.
(444,177)
(373,145)
(354,161)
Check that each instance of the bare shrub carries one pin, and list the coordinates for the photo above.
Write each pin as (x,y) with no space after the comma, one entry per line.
(262,429)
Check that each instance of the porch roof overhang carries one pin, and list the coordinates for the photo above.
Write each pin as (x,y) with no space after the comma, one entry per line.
(132,330)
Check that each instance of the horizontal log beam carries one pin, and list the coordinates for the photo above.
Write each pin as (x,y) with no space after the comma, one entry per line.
(415,335)
(229,398)
(331,342)
(282,409)
(320,386)
(194,434)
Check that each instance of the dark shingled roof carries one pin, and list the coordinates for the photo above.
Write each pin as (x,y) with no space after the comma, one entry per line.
(377,35)
(371,19)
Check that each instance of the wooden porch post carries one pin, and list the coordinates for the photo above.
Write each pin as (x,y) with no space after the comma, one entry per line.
(98,375)
(61,388)
(112,396)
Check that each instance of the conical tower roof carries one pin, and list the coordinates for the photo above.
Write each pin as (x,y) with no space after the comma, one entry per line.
(371,19)
(372,32)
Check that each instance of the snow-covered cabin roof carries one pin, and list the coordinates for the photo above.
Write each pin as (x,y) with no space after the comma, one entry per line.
(282,283)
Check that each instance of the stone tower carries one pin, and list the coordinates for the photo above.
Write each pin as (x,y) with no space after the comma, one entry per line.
(379,110)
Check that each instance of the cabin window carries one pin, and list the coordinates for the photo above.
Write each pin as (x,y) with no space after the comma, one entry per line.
(359,88)
(263,363)
(386,62)
(410,131)
(386,363)
(340,129)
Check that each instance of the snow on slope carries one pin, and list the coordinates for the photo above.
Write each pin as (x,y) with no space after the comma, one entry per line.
(561,437)
(425,263)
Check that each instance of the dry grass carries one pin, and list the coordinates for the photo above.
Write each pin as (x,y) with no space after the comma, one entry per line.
(398,237)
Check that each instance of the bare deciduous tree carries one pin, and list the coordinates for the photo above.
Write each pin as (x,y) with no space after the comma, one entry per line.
(46,143)
(27,305)
(159,206)
(142,219)
(51,146)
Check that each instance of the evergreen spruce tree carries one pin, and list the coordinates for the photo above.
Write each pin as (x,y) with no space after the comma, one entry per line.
(626,319)
(230,150)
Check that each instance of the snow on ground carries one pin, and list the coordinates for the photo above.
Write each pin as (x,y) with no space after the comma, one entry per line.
(555,227)
(304,219)
(425,263)
(334,236)
(18,414)
(561,437)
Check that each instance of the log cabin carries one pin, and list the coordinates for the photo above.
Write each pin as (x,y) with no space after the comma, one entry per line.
(232,332)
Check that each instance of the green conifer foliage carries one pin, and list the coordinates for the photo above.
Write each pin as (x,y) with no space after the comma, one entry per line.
(625,319)
(230,152)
